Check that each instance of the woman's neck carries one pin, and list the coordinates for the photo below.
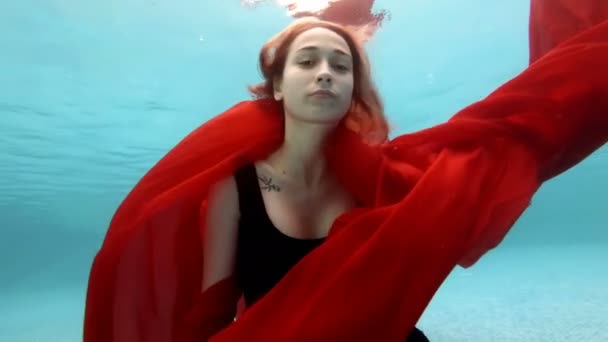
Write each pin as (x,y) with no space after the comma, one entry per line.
(300,159)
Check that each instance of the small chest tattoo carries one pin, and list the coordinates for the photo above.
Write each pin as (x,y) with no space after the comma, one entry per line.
(268,185)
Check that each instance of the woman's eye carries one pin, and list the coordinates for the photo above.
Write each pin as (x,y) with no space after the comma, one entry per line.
(342,67)
(305,62)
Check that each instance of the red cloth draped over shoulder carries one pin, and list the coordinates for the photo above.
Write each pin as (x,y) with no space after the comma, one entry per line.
(434,199)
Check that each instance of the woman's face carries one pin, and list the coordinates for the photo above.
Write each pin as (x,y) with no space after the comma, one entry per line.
(317,83)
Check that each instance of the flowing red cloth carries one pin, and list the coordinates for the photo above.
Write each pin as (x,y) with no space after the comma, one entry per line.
(433,199)
(555,21)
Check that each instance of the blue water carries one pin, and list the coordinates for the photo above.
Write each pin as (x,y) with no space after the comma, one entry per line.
(92,94)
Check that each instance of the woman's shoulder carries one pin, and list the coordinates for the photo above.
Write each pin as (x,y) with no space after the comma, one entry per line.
(223,193)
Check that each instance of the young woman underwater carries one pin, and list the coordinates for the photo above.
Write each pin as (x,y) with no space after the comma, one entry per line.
(299,202)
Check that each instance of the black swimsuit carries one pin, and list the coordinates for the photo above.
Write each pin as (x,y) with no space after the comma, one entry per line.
(264,253)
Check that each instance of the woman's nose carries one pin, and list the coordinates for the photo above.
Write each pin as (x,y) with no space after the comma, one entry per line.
(324,78)
(324,74)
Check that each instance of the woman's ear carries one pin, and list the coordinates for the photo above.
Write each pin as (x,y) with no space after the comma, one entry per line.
(276,85)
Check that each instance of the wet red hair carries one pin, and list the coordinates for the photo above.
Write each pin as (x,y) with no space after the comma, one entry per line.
(366,114)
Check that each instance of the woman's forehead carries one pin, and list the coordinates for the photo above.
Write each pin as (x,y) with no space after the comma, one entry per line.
(320,39)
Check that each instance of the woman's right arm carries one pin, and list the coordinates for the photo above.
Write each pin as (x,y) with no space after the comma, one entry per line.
(220,232)
(216,305)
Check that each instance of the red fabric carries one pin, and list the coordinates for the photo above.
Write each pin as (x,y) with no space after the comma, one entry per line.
(211,311)
(347,12)
(554,21)
(434,199)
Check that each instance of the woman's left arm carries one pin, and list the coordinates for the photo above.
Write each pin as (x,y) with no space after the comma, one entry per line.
(557,107)
(534,127)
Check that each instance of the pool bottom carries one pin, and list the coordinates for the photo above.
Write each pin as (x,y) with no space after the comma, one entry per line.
(552,293)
